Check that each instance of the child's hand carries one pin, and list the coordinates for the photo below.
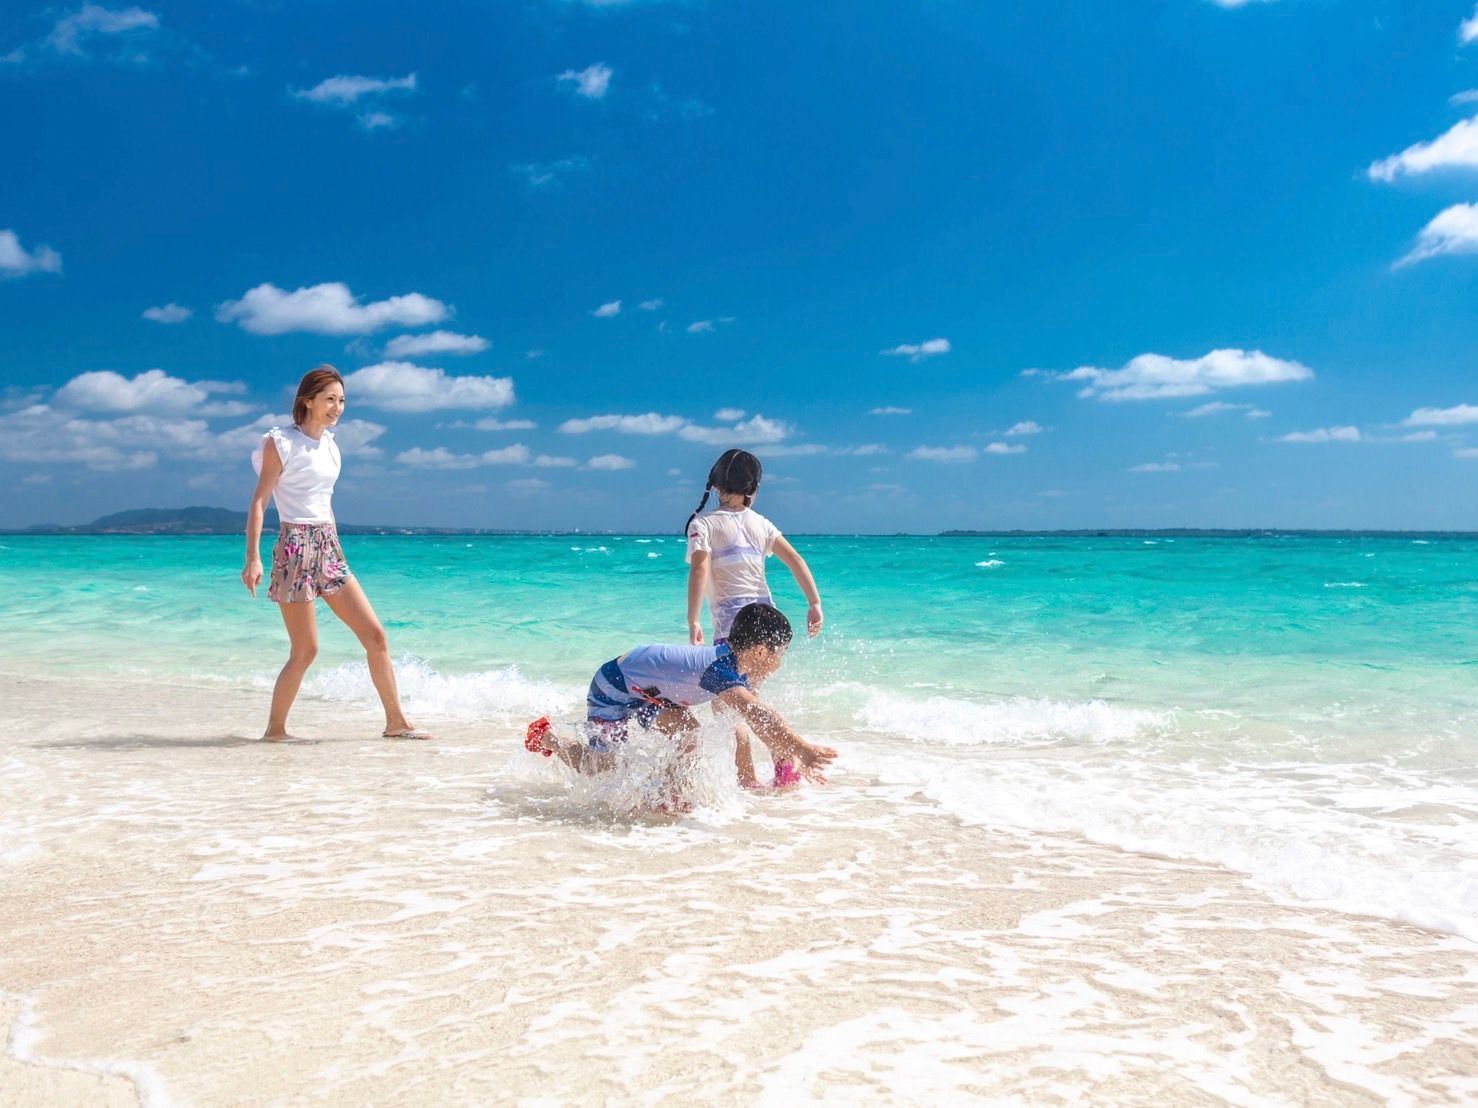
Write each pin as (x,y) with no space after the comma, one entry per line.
(813,759)
(695,634)
(814,619)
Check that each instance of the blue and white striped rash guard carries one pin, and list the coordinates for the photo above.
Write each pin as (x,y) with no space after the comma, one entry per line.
(643,681)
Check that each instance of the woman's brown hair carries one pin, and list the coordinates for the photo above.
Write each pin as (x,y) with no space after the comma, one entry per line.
(313,383)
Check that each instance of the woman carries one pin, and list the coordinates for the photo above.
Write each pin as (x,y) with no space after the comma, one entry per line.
(298,466)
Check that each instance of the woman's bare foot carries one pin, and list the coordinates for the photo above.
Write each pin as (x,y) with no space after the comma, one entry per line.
(407,731)
(280,737)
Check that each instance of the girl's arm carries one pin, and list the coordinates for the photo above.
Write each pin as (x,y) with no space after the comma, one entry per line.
(251,575)
(802,574)
(697,578)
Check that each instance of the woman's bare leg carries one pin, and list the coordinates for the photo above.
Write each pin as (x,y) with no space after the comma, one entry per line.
(302,633)
(353,607)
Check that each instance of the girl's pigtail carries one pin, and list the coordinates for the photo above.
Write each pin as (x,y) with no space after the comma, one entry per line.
(707,489)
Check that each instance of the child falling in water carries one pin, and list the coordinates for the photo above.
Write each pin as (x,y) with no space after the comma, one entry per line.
(727,549)
(656,685)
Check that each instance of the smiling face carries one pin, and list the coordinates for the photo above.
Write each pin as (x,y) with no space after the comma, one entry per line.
(327,406)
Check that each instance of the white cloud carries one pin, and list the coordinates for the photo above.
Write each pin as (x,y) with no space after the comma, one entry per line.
(439,458)
(943,453)
(867,450)
(505,425)
(700,326)
(650,305)
(649,424)
(153,390)
(404,387)
(1467,96)
(45,434)
(1457,147)
(169,313)
(1452,231)
(16,261)
(891,411)
(92,19)
(327,309)
(1025,427)
(728,415)
(1442,417)
(795,450)
(377,120)
(609,461)
(527,485)
(344,90)
(436,342)
(592,82)
(1415,436)
(607,310)
(1466,452)
(553,462)
(1467,30)
(1217,407)
(755,431)
(1157,377)
(918,351)
(1323,434)
(1156,467)
(1005,448)
(539,175)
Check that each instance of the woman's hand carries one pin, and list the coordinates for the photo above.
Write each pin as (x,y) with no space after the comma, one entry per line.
(695,633)
(814,619)
(251,576)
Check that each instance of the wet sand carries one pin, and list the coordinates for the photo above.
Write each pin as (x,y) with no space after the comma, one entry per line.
(192,916)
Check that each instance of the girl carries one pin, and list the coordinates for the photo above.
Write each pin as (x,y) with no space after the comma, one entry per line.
(298,467)
(727,549)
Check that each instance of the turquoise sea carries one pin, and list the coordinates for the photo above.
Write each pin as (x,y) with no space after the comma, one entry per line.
(1302,709)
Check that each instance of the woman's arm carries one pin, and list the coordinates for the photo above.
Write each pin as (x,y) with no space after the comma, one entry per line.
(802,574)
(697,578)
(251,575)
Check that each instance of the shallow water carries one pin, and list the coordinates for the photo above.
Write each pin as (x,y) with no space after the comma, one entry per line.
(1114,819)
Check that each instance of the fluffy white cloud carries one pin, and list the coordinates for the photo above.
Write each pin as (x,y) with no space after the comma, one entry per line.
(1217,407)
(592,82)
(516,455)
(794,450)
(92,19)
(345,90)
(891,411)
(376,120)
(1025,427)
(755,431)
(1467,30)
(1157,377)
(1005,448)
(728,415)
(650,305)
(1442,417)
(609,461)
(505,425)
(327,309)
(168,313)
(1467,96)
(153,390)
(1453,231)
(405,387)
(918,351)
(1156,467)
(1323,434)
(649,424)
(1455,148)
(607,310)
(16,261)
(700,327)
(943,453)
(436,342)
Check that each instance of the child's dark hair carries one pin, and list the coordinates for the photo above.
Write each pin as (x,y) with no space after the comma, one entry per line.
(737,472)
(760,625)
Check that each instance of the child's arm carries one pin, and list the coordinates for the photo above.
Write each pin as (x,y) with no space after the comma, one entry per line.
(697,578)
(778,735)
(802,574)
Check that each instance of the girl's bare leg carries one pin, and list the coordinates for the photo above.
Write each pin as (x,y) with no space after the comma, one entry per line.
(302,633)
(353,607)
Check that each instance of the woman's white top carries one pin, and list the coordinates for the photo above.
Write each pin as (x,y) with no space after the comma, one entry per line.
(738,544)
(304,492)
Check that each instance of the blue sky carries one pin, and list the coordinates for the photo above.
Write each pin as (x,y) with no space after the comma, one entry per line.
(940,264)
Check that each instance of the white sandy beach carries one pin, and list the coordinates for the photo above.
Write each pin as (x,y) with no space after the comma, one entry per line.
(194,917)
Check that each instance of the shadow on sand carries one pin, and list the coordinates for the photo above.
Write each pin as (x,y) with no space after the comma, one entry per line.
(164,742)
